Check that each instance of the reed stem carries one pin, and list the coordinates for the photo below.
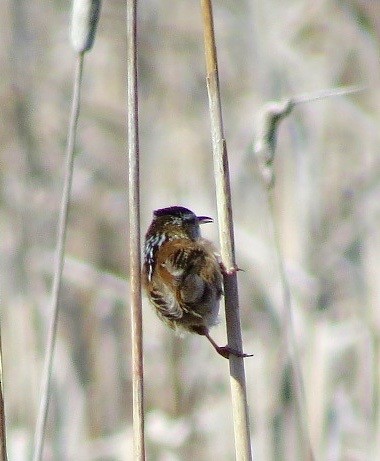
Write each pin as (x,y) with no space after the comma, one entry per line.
(59,263)
(134,235)
(226,233)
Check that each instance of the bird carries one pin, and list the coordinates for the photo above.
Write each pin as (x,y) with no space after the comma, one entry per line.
(183,274)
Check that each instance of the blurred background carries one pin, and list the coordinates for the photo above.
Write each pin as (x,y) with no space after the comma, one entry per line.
(327,208)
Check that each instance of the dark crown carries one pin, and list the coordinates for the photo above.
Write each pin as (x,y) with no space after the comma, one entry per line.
(180,215)
(175,212)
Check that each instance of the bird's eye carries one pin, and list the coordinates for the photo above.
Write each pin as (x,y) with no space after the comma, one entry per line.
(189,218)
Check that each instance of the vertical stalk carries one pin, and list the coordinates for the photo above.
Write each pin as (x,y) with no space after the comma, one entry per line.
(134,235)
(226,233)
(3,444)
(59,262)
(85,16)
(305,448)
(264,149)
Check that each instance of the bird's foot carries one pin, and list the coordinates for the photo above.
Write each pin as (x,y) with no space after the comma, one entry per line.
(229,270)
(226,351)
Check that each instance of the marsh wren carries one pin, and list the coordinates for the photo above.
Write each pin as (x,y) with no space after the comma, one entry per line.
(182,273)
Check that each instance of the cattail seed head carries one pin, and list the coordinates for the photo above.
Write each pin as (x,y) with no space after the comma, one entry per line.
(85,15)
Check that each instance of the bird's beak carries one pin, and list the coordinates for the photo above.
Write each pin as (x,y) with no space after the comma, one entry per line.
(204,219)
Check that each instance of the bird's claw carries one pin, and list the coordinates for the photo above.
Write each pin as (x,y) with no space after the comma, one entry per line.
(231,270)
(226,351)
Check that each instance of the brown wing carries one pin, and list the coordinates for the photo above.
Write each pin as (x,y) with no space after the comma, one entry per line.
(191,269)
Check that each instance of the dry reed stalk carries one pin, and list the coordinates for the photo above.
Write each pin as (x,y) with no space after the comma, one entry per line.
(264,150)
(58,267)
(226,233)
(134,235)
(3,441)
(307,452)
(84,21)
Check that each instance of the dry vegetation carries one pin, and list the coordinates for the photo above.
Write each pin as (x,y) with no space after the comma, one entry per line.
(327,205)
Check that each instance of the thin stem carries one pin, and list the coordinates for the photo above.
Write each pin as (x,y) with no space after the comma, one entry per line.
(134,236)
(226,232)
(295,361)
(264,150)
(3,440)
(59,263)
(324,94)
